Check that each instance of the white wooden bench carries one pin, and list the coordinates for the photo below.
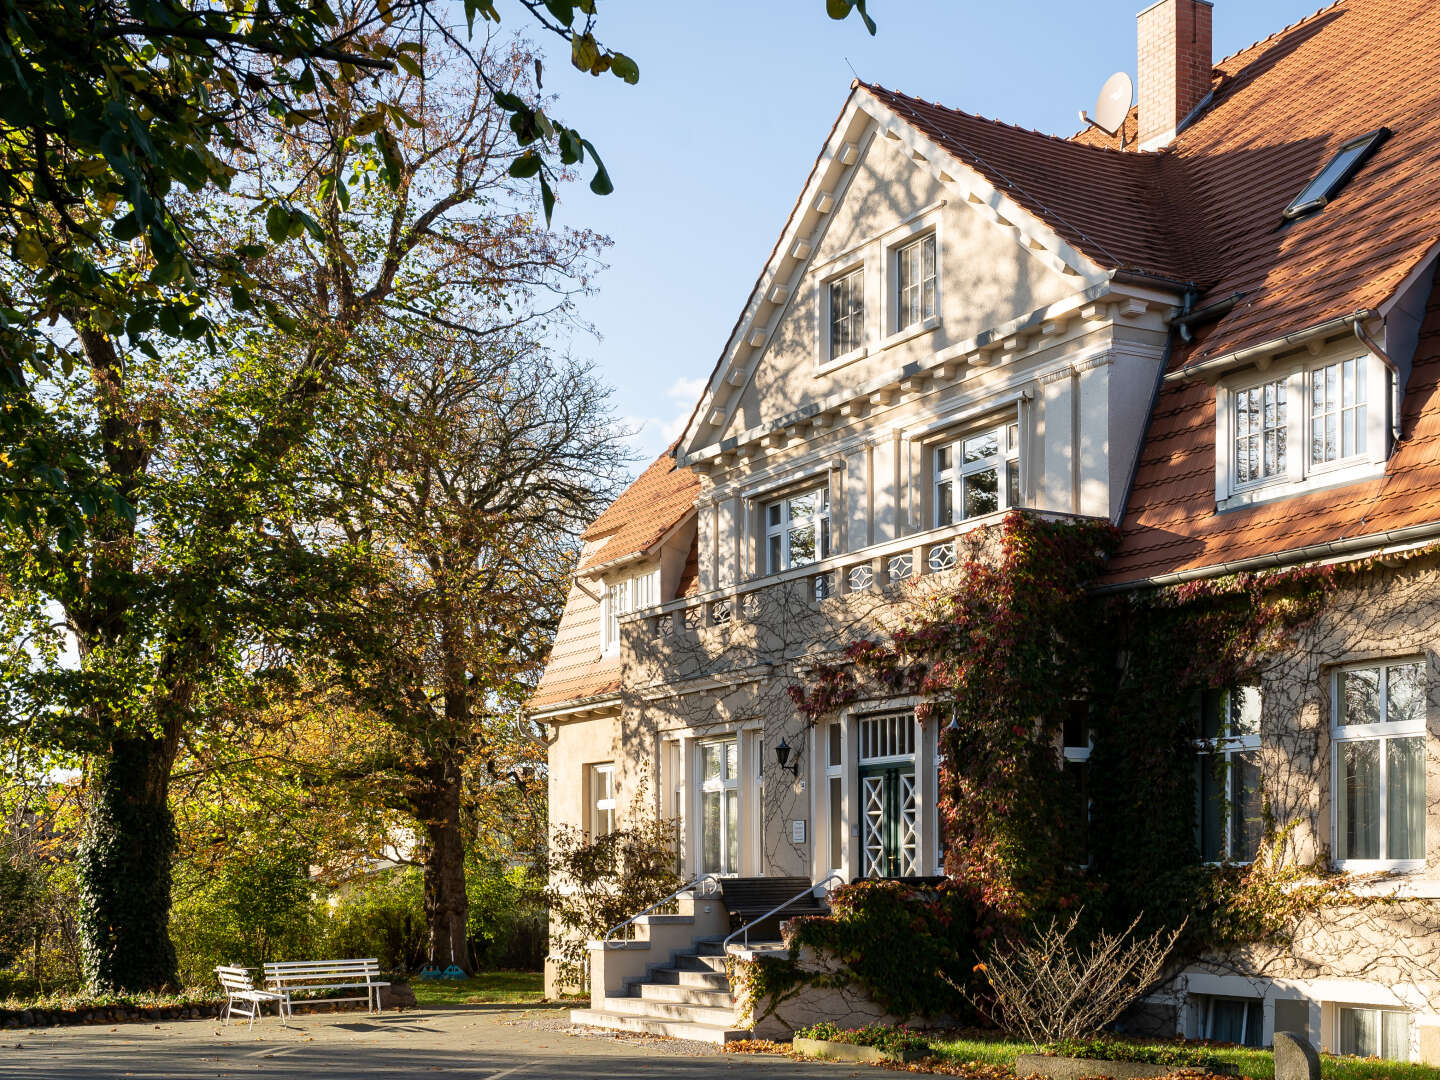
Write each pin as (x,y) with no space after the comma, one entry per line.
(240,987)
(322,976)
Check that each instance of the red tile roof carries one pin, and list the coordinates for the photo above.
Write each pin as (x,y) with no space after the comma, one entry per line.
(1172,525)
(648,509)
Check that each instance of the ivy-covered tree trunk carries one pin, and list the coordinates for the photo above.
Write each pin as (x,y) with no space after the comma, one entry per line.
(124,868)
(447,907)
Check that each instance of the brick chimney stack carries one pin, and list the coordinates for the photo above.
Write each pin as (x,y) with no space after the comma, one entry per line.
(1174,66)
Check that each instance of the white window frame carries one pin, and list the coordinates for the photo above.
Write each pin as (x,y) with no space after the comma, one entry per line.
(1381,732)
(828,355)
(1340,1009)
(1227,746)
(598,772)
(786,524)
(1205,1017)
(835,771)
(898,252)
(1006,432)
(723,785)
(621,597)
(1300,472)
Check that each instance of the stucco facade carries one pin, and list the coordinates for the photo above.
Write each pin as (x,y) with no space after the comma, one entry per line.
(959,320)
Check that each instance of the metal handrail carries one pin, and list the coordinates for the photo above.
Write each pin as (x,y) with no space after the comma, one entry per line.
(809,891)
(713,878)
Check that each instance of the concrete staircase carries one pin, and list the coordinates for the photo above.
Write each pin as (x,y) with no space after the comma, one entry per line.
(689,998)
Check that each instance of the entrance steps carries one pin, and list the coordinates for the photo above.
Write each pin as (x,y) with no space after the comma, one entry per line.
(689,998)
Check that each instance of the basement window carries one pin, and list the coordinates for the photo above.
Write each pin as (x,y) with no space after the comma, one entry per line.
(1336,173)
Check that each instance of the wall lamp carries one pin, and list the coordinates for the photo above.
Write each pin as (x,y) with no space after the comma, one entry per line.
(782,758)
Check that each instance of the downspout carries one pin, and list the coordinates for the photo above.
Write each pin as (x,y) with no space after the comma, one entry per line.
(1380,354)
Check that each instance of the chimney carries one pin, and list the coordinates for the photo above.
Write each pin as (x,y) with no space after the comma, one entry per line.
(1174,66)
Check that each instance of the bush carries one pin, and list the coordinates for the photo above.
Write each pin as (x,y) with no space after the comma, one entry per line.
(381,916)
(913,949)
(1148,1054)
(893,1040)
(249,908)
(1048,987)
(508,918)
(598,884)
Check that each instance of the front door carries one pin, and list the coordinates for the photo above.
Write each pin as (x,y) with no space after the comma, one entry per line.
(890,837)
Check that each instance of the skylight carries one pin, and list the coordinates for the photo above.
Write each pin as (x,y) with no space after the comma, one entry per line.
(1340,168)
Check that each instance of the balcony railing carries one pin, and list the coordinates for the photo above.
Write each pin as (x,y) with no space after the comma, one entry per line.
(881,566)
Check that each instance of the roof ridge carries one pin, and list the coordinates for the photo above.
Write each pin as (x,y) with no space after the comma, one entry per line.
(1278,33)
(1067,140)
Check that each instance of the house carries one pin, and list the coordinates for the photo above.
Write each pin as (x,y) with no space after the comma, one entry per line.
(1215,328)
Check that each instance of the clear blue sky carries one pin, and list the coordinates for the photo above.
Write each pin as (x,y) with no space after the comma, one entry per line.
(710,149)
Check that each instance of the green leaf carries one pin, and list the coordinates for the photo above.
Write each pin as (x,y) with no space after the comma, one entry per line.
(277,222)
(600,183)
(372,121)
(525,166)
(547,197)
(126,228)
(563,10)
(625,68)
(410,65)
(240,298)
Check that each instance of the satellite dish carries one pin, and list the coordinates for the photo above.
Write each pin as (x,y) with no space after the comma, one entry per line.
(1113,104)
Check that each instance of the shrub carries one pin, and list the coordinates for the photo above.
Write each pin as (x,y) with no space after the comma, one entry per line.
(598,883)
(507,924)
(248,908)
(883,1037)
(1050,988)
(383,916)
(913,949)
(1184,1057)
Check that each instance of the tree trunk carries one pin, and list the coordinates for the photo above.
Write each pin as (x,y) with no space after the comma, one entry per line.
(447,907)
(124,867)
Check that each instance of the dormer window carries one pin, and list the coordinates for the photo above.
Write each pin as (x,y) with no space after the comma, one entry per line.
(1336,173)
(1319,422)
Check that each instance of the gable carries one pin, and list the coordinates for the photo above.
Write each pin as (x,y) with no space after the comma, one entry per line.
(985,276)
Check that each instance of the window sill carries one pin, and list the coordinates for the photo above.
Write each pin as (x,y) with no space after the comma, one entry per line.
(1380,866)
(1321,480)
(840,361)
(919,329)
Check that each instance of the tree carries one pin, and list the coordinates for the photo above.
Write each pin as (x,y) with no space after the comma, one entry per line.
(168,608)
(106,106)
(472,470)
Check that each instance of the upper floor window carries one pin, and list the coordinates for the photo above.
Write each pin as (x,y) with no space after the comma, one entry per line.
(797,530)
(1378,770)
(1316,419)
(847,313)
(977,474)
(624,596)
(1230,814)
(915,282)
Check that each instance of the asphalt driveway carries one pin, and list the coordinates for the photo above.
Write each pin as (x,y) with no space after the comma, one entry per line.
(480,1042)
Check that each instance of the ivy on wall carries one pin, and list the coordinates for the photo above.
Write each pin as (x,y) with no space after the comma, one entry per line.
(1023,642)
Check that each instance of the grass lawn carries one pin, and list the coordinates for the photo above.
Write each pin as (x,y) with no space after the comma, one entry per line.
(486,988)
(1259,1064)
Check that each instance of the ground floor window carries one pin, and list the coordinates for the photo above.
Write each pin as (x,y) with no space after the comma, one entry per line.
(602,799)
(1378,728)
(1382,1033)
(720,807)
(1230,815)
(1232,1020)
